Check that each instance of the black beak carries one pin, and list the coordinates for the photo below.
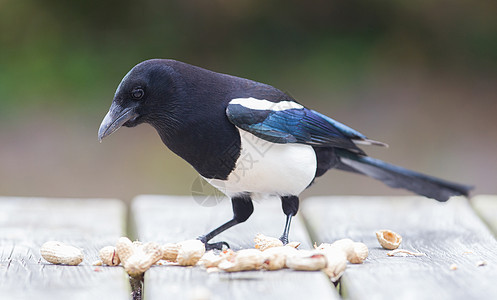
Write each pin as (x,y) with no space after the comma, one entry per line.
(114,119)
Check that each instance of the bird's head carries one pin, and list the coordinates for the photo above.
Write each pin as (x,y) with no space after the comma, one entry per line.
(141,97)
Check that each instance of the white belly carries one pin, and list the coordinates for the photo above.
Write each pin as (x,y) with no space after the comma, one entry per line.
(266,168)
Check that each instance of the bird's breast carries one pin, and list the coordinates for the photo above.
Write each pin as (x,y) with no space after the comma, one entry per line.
(269,169)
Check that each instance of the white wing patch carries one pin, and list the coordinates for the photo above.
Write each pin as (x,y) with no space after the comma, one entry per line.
(262,104)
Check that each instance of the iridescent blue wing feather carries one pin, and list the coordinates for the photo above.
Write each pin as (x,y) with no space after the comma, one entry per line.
(295,125)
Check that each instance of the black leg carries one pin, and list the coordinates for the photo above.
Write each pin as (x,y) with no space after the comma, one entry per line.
(242,209)
(290,205)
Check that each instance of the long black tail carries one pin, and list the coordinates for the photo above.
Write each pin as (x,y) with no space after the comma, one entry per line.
(398,177)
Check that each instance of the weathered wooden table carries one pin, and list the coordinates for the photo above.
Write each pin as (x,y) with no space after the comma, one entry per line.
(452,233)
(26,223)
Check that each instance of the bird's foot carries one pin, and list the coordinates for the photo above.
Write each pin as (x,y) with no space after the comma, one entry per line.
(284,239)
(216,246)
(213,246)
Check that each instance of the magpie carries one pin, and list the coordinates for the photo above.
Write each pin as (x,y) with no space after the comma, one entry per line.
(249,139)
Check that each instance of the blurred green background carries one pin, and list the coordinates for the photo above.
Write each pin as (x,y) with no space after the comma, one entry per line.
(418,75)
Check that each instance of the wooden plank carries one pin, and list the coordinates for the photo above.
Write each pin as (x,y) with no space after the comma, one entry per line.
(174,218)
(486,207)
(26,223)
(448,233)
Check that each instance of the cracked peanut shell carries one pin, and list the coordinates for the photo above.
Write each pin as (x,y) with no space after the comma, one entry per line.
(389,239)
(108,255)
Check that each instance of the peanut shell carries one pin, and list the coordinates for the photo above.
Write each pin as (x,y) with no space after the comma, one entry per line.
(336,263)
(170,251)
(190,252)
(142,258)
(361,252)
(263,242)
(275,258)
(109,256)
(210,259)
(125,248)
(244,260)
(60,253)
(305,260)
(389,239)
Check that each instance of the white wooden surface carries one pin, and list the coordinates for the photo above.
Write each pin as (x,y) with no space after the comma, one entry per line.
(175,218)
(26,223)
(449,233)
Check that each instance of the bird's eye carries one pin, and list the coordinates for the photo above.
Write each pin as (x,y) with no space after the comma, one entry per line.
(137,93)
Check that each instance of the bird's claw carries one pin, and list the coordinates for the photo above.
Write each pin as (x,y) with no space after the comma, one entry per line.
(216,246)
(284,239)
(213,246)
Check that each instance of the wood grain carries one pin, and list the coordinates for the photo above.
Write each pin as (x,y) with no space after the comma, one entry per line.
(486,207)
(448,233)
(26,223)
(174,218)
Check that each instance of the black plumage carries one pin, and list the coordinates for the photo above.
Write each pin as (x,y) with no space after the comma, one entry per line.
(209,119)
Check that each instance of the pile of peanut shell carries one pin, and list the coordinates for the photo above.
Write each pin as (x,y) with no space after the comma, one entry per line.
(269,254)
